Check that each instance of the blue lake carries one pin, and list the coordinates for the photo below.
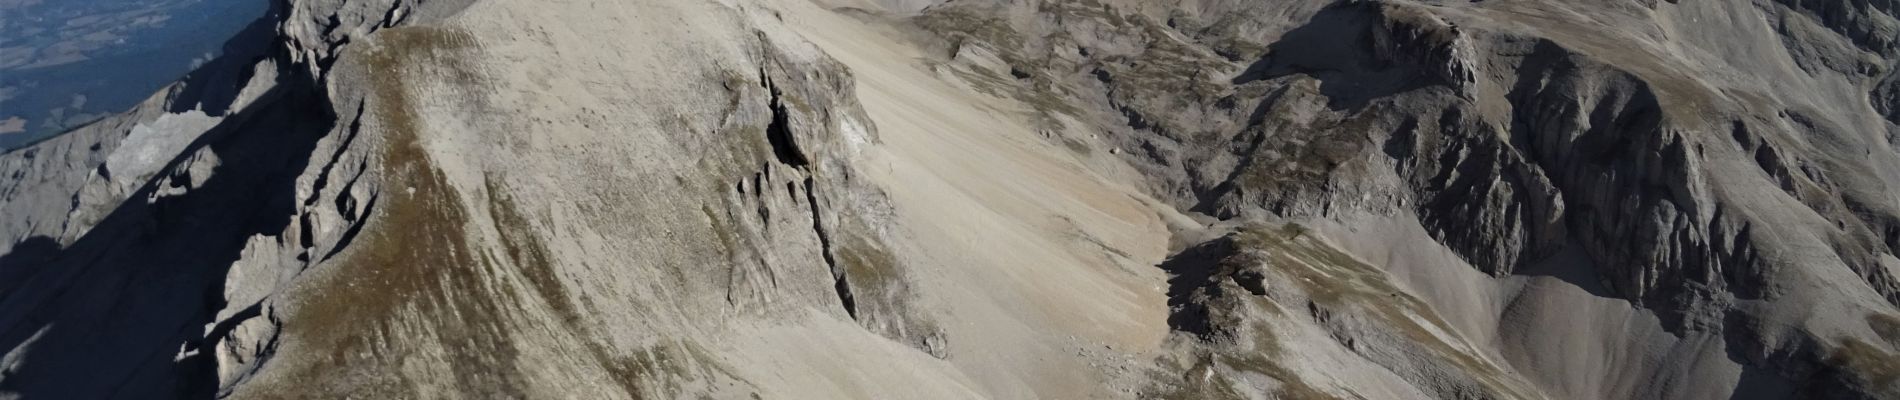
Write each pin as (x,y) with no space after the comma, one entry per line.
(64,63)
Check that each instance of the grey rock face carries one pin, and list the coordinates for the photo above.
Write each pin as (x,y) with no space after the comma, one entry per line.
(452,198)
(310,242)
(1698,154)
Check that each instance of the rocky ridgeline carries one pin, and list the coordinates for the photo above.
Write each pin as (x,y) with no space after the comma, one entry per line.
(1678,154)
(386,198)
(312,217)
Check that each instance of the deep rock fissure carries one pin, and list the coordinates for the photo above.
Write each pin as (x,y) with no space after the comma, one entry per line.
(785,149)
(323,176)
(779,132)
(840,281)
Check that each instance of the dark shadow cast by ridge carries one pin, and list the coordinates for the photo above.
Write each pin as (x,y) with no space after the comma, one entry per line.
(29,257)
(1570,265)
(1335,47)
(214,86)
(111,314)
(1757,383)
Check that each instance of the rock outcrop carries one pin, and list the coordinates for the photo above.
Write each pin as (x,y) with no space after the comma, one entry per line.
(1697,157)
(365,220)
(781,198)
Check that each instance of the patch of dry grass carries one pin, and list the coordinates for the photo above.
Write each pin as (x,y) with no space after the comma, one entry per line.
(414,258)
(1867,364)
(1885,325)
(1337,280)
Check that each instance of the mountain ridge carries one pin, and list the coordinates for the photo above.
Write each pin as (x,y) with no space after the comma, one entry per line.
(980,198)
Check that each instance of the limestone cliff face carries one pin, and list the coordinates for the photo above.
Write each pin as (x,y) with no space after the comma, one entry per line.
(665,199)
(369,219)
(1712,162)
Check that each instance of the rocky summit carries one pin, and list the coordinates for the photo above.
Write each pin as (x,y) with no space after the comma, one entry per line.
(997,199)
